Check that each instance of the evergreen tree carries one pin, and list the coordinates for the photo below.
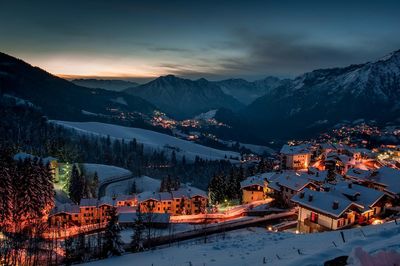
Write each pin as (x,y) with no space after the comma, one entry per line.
(113,245)
(95,184)
(6,189)
(173,159)
(76,183)
(138,229)
(133,188)
(217,189)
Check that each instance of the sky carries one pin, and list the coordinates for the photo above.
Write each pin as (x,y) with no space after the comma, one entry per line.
(140,40)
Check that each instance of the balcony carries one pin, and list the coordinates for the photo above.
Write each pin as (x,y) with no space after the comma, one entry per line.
(313,226)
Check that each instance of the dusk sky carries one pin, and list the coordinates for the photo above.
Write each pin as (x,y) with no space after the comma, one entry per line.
(211,39)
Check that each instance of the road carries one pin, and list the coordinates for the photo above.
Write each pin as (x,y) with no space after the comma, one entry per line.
(110,180)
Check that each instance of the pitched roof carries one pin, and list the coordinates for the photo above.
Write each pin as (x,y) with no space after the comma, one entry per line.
(365,196)
(388,177)
(323,202)
(89,203)
(65,208)
(298,149)
(358,174)
(291,179)
(148,195)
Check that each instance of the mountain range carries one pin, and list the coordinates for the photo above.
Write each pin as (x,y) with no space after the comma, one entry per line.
(325,97)
(59,98)
(184,98)
(107,84)
(270,108)
(246,91)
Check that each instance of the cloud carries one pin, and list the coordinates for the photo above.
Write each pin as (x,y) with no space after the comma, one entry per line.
(284,54)
(251,55)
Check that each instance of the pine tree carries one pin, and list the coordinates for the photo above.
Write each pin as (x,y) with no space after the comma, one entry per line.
(217,189)
(138,229)
(133,188)
(173,159)
(95,185)
(6,189)
(76,188)
(113,245)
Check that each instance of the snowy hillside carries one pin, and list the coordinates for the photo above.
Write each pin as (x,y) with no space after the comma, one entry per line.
(257,246)
(105,171)
(143,183)
(151,140)
(207,115)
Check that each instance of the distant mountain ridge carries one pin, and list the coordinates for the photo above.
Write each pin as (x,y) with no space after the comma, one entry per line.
(184,98)
(107,84)
(248,91)
(58,97)
(324,97)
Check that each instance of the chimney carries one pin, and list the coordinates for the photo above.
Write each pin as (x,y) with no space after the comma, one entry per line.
(310,197)
(335,205)
(301,195)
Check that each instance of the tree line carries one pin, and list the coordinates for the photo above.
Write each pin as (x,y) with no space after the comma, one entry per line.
(26,199)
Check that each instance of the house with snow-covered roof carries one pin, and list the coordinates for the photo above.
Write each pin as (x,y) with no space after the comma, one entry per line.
(386,179)
(64,215)
(372,200)
(255,187)
(322,211)
(286,184)
(185,200)
(295,157)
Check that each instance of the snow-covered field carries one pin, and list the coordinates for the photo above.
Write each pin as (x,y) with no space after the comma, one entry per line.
(256,246)
(143,183)
(150,139)
(258,149)
(105,171)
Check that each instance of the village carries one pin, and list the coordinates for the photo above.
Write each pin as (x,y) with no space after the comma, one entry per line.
(328,186)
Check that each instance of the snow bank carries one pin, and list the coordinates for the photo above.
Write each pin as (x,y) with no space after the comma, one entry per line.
(150,139)
(256,246)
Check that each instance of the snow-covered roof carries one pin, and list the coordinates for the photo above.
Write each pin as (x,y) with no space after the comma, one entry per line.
(148,195)
(298,149)
(65,208)
(389,177)
(165,196)
(317,175)
(364,196)
(257,180)
(294,180)
(23,156)
(193,192)
(185,191)
(358,174)
(89,203)
(323,202)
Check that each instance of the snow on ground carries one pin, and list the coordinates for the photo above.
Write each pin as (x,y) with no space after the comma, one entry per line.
(256,246)
(258,149)
(150,139)
(105,171)
(143,183)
